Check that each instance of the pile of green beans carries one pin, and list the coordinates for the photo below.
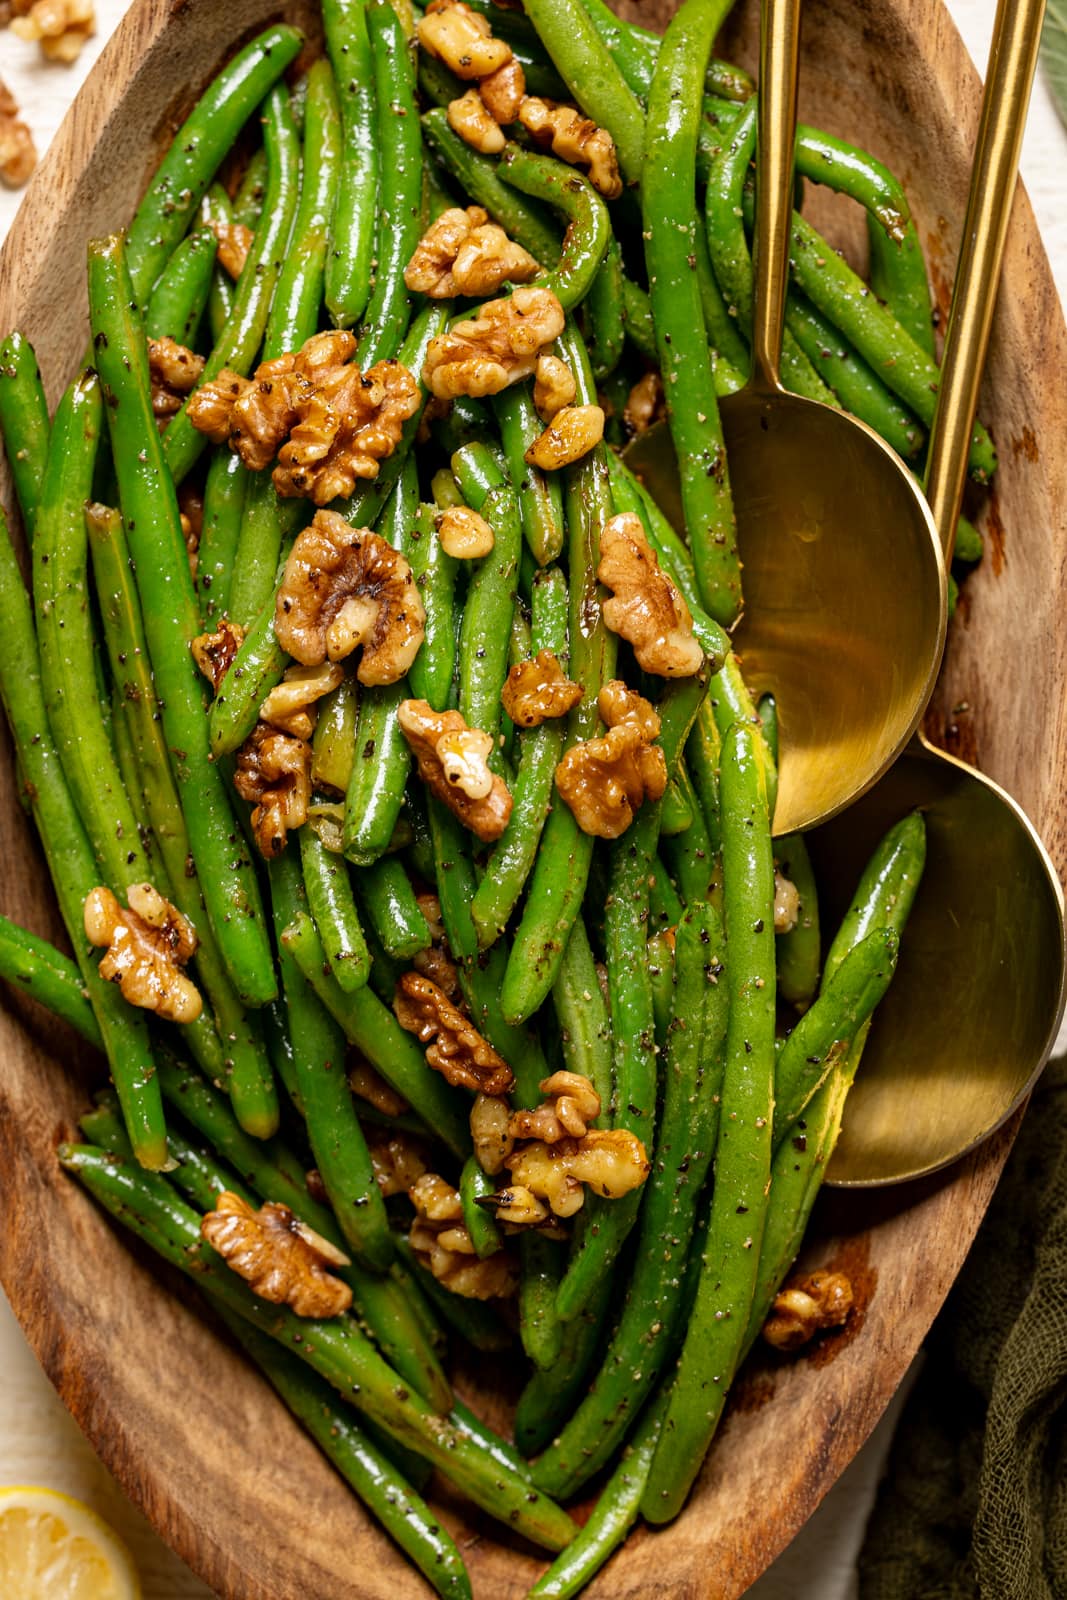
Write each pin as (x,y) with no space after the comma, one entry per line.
(650,963)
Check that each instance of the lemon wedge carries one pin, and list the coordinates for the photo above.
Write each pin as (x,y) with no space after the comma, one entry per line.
(54,1548)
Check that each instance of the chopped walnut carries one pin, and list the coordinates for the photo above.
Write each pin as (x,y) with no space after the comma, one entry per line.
(575,139)
(372,1087)
(235,241)
(279,1257)
(340,423)
(173,371)
(442,1242)
(603,781)
(469,116)
(610,1161)
(786,903)
(436,963)
(148,943)
(455,1047)
(461,38)
(292,705)
(18,154)
(464,253)
(537,689)
(344,587)
(273,773)
(572,433)
(399,1162)
(191,517)
(496,348)
(645,404)
(519,1207)
(806,1305)
(504,91)
(60,27)
(571,1105)
(486,814)
(214,652)
(646,607)
(554,387)
(493,1142)
(464,533)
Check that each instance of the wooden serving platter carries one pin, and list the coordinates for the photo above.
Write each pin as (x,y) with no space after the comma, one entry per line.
(192,1434)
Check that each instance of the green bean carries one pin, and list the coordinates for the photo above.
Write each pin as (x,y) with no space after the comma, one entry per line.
(743,1152)
(593,77)
(224,503)
(374,1031)
(886,891)
(897,274)
(268,527)
(549,1397)
(660,950)
(475,1184)
(690,856)
(665,902)
(454,878)
(236,349)
(333,908)
(671,225)
(799,951)
(353,232)
(216,212)
(969,544)
(540,1329)
(637,319)
(158,548)
(605,318)
(486,627)
(334,737)
(677,813)
(477,1322)
(201,143)
(380,766)
(43,972)
(257,667)
(181,295)
(252,189)
(540,493)
(337,1350)
(389,902)
(70,860)
(702,753)
(635,49)
(529,225)
(588,234)
(399,205)
(367,1469)
(24,423)
(859,389)
(430,674)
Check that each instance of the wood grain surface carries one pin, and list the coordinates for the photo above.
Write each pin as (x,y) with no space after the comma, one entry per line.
(193,1436)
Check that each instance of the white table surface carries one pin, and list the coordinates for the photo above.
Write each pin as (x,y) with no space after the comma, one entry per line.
(39,1443)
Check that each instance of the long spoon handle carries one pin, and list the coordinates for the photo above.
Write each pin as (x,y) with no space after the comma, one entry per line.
(1009,78)
(776,135)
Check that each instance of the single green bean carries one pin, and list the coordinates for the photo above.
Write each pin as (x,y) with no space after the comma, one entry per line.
(475,1184)
(43,972)
(540,493)
(486,627)
(24,423)
(389,902)
(430,674)
(540,1329)
(605,315)
(224,503)
(799,951)
(399,204)
(333,741)
(333,908)
(181,295)
(352,232)
(588,234)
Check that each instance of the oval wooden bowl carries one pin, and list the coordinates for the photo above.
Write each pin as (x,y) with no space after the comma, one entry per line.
(192,1434)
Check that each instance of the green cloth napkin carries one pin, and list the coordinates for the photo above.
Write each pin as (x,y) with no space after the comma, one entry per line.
(974,1503)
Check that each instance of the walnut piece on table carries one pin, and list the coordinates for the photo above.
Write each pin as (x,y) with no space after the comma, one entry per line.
(148,944)
(605,780)
(804,1306)
(458,774)
(455,1048)
(18,153)
(464,253)
(60,27)
(273,773)
(498,347)
(344,587)
(646,607)
(538,689)
(443,1244)
(280,1258)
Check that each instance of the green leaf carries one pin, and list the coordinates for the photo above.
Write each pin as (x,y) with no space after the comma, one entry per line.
(1054,53)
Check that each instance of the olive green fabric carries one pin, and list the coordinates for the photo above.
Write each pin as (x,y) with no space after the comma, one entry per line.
(974,1504)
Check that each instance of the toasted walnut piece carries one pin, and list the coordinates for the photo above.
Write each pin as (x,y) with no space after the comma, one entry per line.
(273,773)
(462,39)
(538,689)
(496,348)
(424,728)
(645,403)
(574,139)
(489,1131)
(191,516)
(464,757)
(436,963)
(464,253)
(504,91)
(443,1243)
(60,27)
(519,1207)
(786,903)
(469,117)
(148,943)
(571,1104)
(173,371)
(344,587)
(429,271)
(399,1162)
(572,433)
(455,1047)
(603,781)
(610,1161)
(806,1305)
(372,1087)
(235,241)
(292,705)
(464,533)
(18,154)
(214,652)
(646,608)
(279,1257)
(554,387)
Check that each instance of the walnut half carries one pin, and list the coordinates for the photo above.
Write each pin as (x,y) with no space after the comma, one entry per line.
(455,1047)
(611,1161)
(457,774)
(279,1257)
(148,944)
(273,773)
(604,781)
(443,1244)
(18,153)
(570,1105)
(806,1305)
(464,253)
(575,139)
(498,347)
(646,607)
(537,689)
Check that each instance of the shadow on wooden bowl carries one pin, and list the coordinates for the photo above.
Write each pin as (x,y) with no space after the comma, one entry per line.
(192,1434)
